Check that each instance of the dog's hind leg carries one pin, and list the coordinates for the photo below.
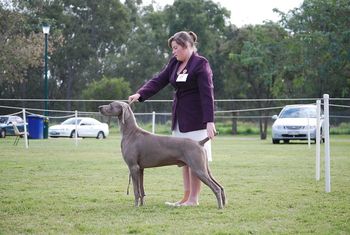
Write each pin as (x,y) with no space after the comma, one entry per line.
(206,179)
(223,196)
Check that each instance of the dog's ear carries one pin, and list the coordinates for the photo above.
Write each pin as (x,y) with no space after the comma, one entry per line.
(126,112)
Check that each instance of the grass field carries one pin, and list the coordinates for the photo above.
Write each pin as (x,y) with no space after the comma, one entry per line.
(55,187)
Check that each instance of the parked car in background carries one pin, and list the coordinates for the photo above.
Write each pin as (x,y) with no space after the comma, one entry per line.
(86,127)
(7,122)
(295,122)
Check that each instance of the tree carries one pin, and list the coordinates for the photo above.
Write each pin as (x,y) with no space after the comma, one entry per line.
(106,88)
(321,30)
(90,30)
(145,51)
(20,51)
(257,62)
(144,54)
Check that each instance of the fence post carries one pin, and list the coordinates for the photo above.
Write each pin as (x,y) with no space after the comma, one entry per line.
(308,132)
(327,145)
(318,139)
(76,128)
(153,121)
(25,128)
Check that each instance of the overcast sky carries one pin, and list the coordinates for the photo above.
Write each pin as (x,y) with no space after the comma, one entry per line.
(248,11)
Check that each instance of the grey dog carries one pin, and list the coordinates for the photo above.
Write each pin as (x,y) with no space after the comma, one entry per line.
(141,149)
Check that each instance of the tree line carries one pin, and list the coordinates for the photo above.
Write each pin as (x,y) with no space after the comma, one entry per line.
(107,49)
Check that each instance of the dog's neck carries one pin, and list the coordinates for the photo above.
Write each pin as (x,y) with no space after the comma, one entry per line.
(129,125)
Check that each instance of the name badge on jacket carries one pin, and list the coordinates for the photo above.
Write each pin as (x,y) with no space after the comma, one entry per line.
(182,77)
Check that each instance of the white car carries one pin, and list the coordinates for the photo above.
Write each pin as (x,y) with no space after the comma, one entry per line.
(87,127)
(295,122)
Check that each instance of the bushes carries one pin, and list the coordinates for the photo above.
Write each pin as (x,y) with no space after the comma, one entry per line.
(342,129)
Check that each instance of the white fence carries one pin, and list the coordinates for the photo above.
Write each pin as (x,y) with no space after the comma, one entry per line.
(219,114)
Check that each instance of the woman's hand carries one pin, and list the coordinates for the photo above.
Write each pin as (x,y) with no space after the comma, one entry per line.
(133,98)
(211,130)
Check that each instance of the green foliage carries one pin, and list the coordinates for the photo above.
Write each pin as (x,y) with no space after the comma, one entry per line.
(20,51)
(304,55)
(144,53)
(321,31)
(107,89)
(258,62)
(89,31)
(259,65)
(341,129)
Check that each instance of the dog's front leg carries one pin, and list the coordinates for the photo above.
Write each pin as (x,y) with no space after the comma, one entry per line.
(142,190)
(135,176)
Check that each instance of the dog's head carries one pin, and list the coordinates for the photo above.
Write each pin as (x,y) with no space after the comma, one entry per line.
(116,108)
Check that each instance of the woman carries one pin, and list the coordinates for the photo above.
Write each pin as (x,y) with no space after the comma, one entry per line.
(193,106)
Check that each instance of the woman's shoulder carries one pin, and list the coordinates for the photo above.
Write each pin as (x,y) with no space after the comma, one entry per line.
(200,59)
(200,63)
(172,60)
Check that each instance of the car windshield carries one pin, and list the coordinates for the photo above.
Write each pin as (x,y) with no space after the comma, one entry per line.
(71,121)
(3,119)
(299,112)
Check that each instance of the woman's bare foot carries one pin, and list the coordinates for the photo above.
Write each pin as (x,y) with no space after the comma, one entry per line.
(188,203)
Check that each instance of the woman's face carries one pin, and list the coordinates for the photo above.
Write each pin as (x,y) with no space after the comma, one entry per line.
(181,53)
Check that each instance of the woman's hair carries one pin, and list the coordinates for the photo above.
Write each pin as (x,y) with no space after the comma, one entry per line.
(184,39)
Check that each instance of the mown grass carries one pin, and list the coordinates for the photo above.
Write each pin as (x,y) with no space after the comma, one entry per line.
(55,187)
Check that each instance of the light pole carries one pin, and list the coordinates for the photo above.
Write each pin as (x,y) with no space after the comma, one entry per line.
(46,30)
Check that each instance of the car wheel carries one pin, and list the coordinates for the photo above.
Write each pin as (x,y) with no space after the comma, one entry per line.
(2,133)
(275,141)
(286,141)
(72,134)
(100,135)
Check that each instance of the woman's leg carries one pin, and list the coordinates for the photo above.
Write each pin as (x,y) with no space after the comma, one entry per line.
(195,188)
(187,183)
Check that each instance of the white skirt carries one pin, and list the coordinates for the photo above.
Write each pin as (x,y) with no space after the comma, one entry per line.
(195,135)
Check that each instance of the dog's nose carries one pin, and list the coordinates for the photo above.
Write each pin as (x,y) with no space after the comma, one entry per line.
(100,108)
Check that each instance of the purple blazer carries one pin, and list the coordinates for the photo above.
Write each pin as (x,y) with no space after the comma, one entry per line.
(193,104)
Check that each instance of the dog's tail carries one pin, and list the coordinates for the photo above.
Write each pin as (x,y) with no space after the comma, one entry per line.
(203,141)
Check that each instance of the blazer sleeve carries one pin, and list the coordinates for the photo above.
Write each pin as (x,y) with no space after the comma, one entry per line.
(206,91)
(156,83)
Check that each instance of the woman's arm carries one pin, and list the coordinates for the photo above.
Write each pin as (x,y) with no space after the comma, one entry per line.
(206,90)
(133,98)
(156,83)
(211,130)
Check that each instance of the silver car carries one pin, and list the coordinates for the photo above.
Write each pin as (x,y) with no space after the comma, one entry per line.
(294,123)
(6,125)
